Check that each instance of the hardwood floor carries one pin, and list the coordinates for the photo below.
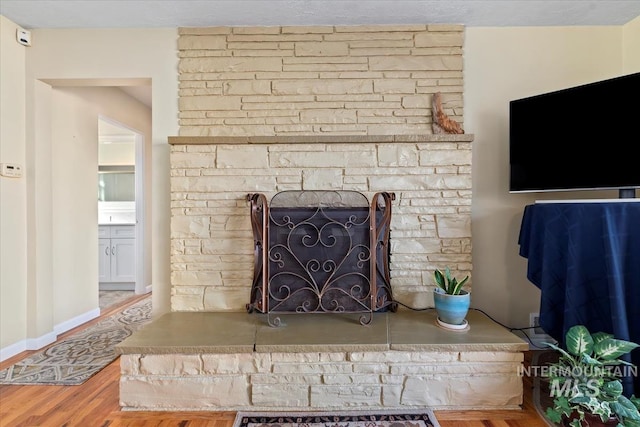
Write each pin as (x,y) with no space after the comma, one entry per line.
(95,404)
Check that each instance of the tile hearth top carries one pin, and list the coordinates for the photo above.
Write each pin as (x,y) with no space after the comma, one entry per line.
(239,332)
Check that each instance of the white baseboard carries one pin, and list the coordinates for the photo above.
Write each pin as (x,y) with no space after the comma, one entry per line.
(12,350)
(67,325)
(48,338)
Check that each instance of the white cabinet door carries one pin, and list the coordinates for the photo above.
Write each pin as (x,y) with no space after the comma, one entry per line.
(123,260)
(116,255)
(104,260)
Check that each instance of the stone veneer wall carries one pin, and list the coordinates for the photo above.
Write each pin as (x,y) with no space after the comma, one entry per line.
(362,80)
(315,381)
(265,109)
(211,238)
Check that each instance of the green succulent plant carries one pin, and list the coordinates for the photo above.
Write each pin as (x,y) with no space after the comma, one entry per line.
(449,284)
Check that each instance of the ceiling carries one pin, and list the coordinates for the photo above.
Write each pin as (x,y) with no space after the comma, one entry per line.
(32,14)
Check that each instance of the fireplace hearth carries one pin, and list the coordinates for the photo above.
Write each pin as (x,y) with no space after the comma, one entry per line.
(321,252)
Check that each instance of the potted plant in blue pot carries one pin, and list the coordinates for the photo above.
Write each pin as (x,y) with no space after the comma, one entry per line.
(450,300)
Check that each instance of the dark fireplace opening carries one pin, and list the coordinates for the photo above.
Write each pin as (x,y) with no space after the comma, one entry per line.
(321,252)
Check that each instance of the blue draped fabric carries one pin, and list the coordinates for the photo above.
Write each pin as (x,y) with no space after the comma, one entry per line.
(585,258)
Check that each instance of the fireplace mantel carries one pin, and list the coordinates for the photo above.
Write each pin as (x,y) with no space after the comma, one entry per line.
(321,139)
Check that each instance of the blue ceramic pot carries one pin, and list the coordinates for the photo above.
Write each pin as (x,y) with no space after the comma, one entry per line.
(451,309)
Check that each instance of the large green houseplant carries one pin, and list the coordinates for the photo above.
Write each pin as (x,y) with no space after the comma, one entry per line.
(450,300)
(586,383)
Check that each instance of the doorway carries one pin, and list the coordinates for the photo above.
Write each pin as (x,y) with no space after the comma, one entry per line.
(120,207)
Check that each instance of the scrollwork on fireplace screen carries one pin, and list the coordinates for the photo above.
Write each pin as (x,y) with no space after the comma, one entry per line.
(313,253)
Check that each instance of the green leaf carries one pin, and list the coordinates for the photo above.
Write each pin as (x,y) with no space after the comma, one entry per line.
(591,361)
(578,340)
(554,416)
(613,389)
(610,348)
(450,285)
(599,336)
(439,279)
(458,287)
(561,350)
(447,273)
(625,409)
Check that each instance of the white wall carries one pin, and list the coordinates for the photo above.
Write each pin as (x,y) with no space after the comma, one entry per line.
(58,58)
(75,182)
(13,191)
(500,64)
(631,46)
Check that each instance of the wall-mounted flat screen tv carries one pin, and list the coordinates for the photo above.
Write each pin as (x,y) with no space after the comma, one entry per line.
(581,138)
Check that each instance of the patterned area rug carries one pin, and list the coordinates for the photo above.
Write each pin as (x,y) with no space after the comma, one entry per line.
(75,359)
(108,299)
(380,418)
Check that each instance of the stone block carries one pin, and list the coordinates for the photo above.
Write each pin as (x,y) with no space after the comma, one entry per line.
(243,363)
(328,116)
(191,160)
(280,395)
(471,391)
(438,39)
(167,364)
(201,42)
(324,87)
(406,86)
(311,368)
(246,157)
(364,157)
(129,364)
(322,179)
(212,102)
(285,379)
(246,87)
(333,379)
(321,49)
(175,393)
(226,299)
(345,396)
(189,226)
(391,395)
(228,64)
(397,155)
(450,226)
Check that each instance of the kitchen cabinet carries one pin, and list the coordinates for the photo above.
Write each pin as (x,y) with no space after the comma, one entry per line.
(116,257)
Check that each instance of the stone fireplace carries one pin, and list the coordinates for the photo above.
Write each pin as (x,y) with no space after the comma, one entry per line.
(270,109)
(339,109)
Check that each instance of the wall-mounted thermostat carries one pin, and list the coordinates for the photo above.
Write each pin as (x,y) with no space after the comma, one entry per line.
(23,37)
(10,170)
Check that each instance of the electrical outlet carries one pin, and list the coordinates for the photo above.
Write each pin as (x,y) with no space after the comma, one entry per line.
(534,322)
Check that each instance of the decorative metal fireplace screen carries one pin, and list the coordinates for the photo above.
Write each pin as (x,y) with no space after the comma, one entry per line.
(321,252)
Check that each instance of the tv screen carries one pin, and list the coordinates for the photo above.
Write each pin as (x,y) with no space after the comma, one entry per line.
(581,138)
